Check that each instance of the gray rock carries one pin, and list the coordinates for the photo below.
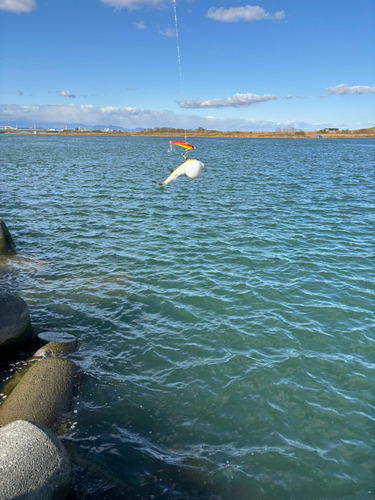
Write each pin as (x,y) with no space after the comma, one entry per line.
(15,325)
(59,344)
(43,394)
(6,241)
(34,464)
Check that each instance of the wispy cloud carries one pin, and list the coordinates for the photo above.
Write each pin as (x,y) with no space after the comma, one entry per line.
(140,25)
(169,33)
(21,92)
(235,101)
(133,4)
(74,112)
(247,13)
(131,89)
(344,89)
(17,6)
(133,117)
(66,93)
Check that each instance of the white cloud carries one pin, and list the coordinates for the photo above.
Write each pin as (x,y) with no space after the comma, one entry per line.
(17,6)
(140,25)
(235,101)
(132,118)
(133,4)
(169,33)
(344,89)
(247,13)
(66,93)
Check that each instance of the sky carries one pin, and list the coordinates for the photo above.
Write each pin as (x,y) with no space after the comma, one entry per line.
(230,65)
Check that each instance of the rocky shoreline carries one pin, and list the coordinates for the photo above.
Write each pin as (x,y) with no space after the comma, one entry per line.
(34,464)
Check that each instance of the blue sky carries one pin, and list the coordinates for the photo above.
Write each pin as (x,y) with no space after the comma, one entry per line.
(244,66)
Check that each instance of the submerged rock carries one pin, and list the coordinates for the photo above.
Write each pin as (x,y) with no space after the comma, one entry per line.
(6,241)
(34,464)
(43,394)
(59,344)
(15,325)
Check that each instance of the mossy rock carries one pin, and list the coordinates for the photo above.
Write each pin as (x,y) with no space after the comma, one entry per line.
(43,395)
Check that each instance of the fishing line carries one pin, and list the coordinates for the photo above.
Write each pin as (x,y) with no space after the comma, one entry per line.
(178,43)
(179,56)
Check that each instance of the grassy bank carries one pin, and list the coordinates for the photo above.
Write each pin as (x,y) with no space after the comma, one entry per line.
(170,132)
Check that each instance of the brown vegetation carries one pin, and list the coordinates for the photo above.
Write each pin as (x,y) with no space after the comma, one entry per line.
(286,133)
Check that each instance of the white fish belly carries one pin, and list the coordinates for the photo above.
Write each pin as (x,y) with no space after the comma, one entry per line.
(194,169)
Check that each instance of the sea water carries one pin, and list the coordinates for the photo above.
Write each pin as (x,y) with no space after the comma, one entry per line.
(226,326)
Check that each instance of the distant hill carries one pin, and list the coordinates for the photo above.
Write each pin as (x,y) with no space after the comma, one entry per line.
(111,127)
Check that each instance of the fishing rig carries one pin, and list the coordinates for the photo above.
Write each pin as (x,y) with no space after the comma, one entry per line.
(182,144)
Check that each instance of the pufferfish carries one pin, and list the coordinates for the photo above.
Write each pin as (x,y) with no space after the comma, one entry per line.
(190,168)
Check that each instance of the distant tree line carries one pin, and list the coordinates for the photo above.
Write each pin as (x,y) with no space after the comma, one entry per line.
(171,130)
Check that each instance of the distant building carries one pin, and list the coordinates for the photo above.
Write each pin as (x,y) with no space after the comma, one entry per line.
(327,129)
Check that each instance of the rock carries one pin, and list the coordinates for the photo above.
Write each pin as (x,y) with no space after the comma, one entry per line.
(43,394)
(34,464)
(15,325)
(6,241)
(59,344)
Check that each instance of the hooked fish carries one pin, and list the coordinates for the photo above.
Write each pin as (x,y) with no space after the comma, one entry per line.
(190,168)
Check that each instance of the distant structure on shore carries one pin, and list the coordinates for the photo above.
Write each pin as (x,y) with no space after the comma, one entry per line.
(30,130)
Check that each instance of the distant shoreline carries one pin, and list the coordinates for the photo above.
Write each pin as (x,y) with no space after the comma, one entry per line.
(209,135)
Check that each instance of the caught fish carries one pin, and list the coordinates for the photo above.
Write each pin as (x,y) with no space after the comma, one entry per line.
(190,168)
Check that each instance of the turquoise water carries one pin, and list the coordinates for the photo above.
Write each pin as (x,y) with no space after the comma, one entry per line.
(226,326)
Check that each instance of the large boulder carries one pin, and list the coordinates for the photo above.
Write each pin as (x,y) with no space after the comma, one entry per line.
(34,464)
(6,241)
(43,394)
(15,325)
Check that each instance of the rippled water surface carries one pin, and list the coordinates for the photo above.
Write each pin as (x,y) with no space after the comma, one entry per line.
(226,326)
